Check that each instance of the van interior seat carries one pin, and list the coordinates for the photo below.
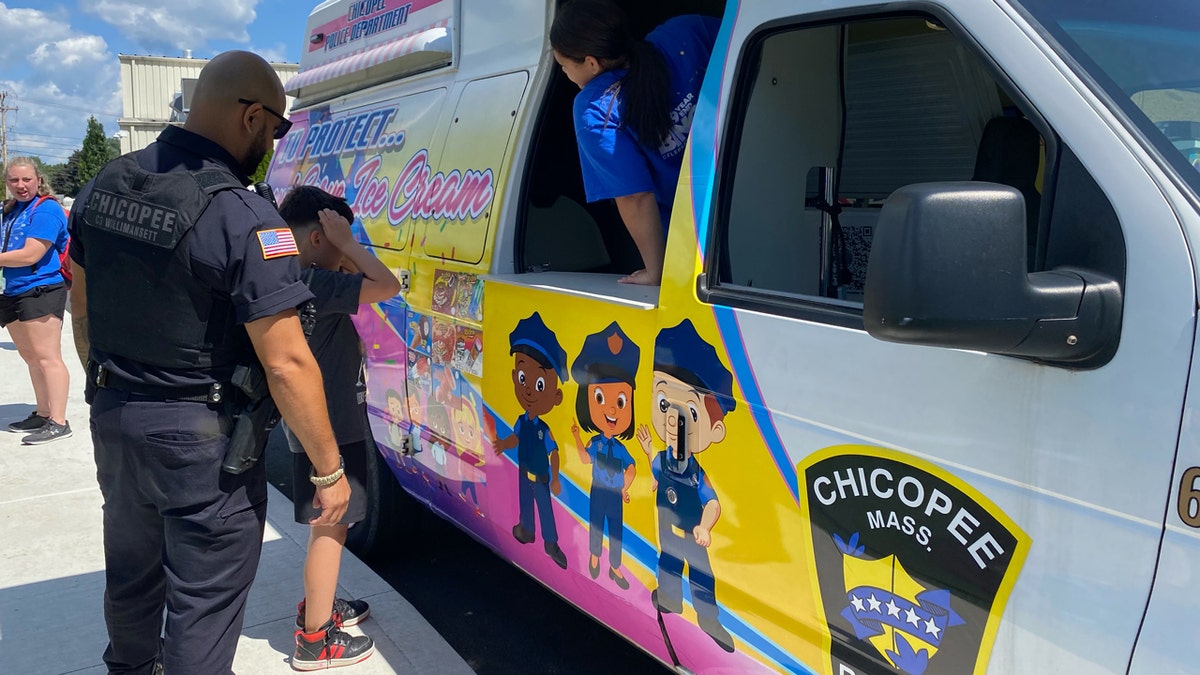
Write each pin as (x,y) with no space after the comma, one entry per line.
(1009,154)
(562,236)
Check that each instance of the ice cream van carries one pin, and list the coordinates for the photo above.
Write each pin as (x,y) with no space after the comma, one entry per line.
(913,396)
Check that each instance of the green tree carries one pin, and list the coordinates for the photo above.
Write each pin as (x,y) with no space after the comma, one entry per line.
(260,174)
(95,153)
(66,181)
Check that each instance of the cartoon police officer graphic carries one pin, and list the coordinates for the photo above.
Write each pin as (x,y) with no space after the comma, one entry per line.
(539,364)
(605,370)
(693,391)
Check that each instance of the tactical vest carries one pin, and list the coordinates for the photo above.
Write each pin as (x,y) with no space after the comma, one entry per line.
(144,303)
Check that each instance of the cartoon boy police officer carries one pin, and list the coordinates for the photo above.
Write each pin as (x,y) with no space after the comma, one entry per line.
(693,391)
(605,371)
(539,364)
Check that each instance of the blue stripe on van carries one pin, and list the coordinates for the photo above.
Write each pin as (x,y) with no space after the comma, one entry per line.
(575,500)
(731,335)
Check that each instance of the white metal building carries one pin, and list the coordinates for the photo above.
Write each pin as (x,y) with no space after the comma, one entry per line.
(150,87)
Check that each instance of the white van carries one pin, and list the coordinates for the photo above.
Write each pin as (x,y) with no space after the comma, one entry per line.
(924,338)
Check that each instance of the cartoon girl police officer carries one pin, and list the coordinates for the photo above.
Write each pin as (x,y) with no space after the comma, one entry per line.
(605,370)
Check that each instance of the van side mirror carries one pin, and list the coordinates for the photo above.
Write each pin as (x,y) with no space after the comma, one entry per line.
(947,269)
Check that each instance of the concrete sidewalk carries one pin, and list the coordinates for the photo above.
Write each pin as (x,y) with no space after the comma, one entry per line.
(52,563)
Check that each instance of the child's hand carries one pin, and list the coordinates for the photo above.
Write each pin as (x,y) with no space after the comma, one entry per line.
(643,437)
(336,227)
(575,432)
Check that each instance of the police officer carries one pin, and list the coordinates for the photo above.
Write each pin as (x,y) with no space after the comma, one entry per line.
(693,391)
(181,275)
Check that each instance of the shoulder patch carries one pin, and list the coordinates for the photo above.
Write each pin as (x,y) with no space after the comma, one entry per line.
(277,243)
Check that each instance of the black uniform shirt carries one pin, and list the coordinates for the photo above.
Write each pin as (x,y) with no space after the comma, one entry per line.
(224,249)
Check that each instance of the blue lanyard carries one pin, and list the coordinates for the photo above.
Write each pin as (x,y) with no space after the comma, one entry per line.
(8,224)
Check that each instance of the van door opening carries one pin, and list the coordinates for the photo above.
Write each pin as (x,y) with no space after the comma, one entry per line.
(558,230)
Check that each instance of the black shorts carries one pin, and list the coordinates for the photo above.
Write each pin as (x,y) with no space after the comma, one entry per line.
(354,456)
(34,304)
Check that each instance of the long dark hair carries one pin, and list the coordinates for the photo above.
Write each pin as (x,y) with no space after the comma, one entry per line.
(598,28)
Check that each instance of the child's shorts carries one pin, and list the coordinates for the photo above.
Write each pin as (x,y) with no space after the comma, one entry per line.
(354,456)
(34,304)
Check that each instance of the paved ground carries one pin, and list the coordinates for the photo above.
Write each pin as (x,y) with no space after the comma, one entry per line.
(51,562)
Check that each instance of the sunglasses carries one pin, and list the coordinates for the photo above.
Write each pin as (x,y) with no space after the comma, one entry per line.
(285,124)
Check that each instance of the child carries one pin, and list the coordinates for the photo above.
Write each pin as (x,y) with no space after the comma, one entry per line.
(605,370)
(341,275)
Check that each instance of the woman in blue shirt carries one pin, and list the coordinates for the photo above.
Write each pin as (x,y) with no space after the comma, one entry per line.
(33,232)
(634,112)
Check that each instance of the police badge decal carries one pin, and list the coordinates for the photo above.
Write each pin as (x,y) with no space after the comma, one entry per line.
(913,566)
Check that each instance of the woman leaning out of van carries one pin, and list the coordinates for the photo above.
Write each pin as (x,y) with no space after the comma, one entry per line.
(634,112)
(33,232)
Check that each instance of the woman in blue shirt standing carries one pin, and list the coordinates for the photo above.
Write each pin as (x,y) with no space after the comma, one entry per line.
(634,112)
(33,232)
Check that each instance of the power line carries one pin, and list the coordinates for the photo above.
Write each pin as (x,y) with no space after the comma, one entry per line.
(35,151)
(71,108)
(48,144)
(30,133)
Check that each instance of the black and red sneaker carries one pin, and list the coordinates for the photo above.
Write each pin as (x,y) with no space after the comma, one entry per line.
(345,612)
(330,647)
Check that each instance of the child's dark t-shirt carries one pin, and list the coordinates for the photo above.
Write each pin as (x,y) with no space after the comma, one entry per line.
(339,353)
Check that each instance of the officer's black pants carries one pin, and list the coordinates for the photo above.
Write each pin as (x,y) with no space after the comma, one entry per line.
(178,533)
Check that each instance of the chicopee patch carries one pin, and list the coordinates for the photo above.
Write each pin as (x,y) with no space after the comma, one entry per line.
(277,243)
(913,566)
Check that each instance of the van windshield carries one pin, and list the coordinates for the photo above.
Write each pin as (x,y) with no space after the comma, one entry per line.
(1144,54)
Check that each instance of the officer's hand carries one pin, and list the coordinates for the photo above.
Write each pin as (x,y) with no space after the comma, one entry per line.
(643,437)
(625,495)
(332,500)
(703,535)
(555,485)
(337,228)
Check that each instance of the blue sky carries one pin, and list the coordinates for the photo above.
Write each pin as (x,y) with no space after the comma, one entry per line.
(60,58)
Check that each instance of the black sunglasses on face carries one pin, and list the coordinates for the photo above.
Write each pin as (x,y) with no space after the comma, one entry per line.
(285,124)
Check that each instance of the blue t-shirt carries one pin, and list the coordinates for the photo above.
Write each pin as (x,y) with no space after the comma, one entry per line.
(614,163)
(609,461)
(43,220)
(534,445)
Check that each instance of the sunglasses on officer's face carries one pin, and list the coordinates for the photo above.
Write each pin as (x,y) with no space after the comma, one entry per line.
(285,124)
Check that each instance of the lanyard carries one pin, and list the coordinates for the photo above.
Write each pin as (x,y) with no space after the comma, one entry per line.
(12,220)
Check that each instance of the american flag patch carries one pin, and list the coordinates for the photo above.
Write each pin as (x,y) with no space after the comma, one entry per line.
(277,243)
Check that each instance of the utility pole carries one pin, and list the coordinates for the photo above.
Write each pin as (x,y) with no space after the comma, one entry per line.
(4,134)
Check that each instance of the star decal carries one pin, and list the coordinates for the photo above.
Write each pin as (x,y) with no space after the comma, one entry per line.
(911,617)
(875,604)
(931,628)
(857,602)
(892,609)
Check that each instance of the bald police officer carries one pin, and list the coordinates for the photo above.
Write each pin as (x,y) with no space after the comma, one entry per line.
(180,276)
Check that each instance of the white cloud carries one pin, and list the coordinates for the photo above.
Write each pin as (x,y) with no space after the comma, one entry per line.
(56,77)
(178,25)
(80,66)
(25,29)
(277,53)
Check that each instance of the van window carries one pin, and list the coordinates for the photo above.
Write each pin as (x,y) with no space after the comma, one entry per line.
(829,120)
(1145,60)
